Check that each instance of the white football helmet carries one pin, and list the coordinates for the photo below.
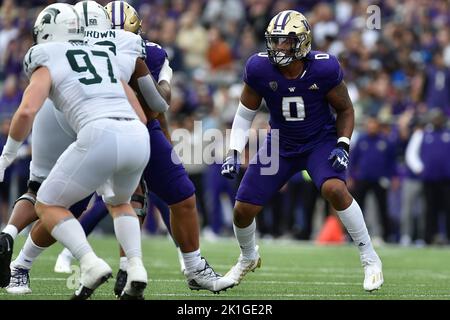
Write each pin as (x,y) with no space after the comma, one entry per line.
(94,15)
(58,22)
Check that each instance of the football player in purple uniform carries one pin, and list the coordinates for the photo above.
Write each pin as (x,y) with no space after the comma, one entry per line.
(298,86)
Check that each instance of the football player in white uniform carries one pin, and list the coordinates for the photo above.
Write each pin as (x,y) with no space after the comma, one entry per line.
(51,136)
(181,200)
(66,73)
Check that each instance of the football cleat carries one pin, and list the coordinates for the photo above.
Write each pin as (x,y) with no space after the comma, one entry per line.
(136,280)
(63,263)
(244,266)
(92,276)
(207,279)
(373,274)
(20,281)
(6,249)
(121,281)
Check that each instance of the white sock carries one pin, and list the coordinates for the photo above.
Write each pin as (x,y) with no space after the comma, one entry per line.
(123,263)
(70,233)
(11,230)
(66,252)
(28,254)
(192,260)
(128,233)
(353,220)
(246,239)
(88,259)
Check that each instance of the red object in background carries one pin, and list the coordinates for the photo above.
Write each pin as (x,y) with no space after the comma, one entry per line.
(331,232)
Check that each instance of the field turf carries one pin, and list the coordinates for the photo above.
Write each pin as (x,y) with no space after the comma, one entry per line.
(290,271)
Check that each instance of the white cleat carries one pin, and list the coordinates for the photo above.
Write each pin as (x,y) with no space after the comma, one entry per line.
(19,282)
(136,280)
(373,274)
(207,279)
(244,266)
(93,275)
(63,263)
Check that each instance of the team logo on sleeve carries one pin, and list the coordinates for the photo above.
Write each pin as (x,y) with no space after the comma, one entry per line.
(273,85)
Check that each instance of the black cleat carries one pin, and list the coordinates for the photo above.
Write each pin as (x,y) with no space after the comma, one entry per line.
(121,281)
(84,293)
(6,249)
(136,287)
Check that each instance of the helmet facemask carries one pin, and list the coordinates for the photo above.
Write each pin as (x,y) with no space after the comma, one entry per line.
(283,49)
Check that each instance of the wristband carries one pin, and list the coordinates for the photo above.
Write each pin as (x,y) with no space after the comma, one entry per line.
(344,139)
(344,143)
(12,146)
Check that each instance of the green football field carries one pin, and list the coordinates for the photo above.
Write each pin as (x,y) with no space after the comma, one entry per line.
(290,270)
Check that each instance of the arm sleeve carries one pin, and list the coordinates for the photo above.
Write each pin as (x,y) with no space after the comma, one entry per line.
(241,126)
(36,57)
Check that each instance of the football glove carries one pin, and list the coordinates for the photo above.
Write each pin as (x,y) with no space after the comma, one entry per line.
(339,157)
(231,166)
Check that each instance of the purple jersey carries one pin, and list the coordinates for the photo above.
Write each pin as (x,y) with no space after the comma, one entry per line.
(298,107)
(168,180)
(155,58)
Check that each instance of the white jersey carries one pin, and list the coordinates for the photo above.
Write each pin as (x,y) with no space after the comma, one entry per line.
(86,81)
(129,45)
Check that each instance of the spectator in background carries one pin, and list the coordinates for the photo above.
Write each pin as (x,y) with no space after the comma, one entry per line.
(7,33)
(219,53)
(434,168)
(167,39)
(194,170)
(192,38)
(437,84)
(412,188)
(372,166)
(11,96)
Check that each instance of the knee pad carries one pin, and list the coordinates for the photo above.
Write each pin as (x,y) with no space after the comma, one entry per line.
(26,196)
(142,199)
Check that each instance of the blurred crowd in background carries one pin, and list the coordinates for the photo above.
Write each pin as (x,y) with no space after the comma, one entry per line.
(398,78)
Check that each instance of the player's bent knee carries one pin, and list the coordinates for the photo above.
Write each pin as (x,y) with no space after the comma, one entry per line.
(186,206)
(244,213)
(39,208)
(334,190)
